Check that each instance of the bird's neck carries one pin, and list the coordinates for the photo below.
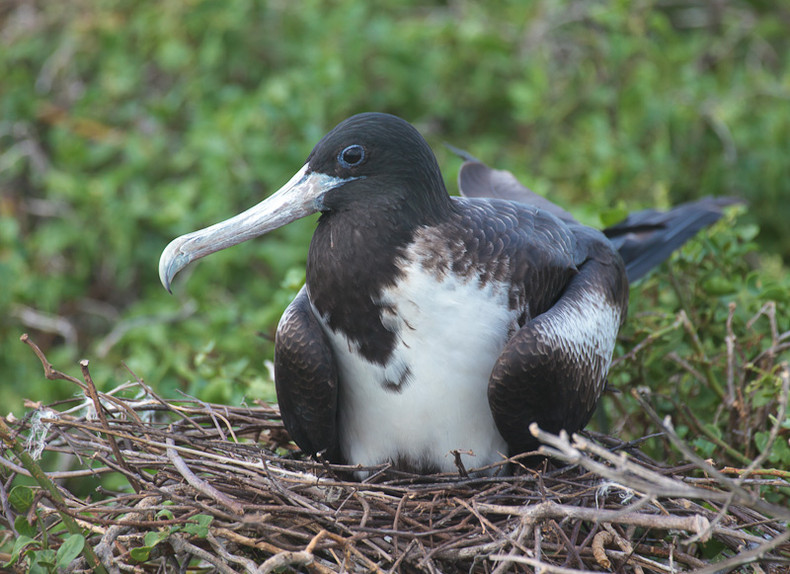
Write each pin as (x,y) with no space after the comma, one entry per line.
(352,258)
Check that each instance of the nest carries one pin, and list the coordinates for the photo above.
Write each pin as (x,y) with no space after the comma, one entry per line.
(219,488)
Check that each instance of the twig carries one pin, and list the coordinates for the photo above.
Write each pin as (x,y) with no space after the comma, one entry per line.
(729,341)
(708,468)
(625,546)
(247,541)
(538,565)
(94,396)
(622,469)
(179,544)
(295,508)
(169,406)
(745,557)
(50,372)
(709,435)
(52,491)
(533,514)
(249,565)
(522,530)
(710,376)
(283,559)
(58,475)
(199,484)
(781,412)
(785,474)
(647,341)
(105,546)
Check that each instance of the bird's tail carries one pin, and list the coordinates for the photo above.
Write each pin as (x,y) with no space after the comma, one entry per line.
(646,238)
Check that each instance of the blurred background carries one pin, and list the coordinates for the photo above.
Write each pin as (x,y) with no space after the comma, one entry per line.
(125,123)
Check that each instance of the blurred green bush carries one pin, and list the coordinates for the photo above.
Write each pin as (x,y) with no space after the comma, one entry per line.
(125,123)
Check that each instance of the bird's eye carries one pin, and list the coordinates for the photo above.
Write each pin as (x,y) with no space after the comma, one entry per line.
(351,156)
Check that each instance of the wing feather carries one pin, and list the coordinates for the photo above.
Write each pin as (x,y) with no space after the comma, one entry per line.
(306,379)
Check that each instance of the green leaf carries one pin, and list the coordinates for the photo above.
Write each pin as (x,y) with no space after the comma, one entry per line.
(198,525)
(23,527)
(154,537)
(20,544)
(165,514)
(69,550)
(704,447)
(21,498)
(761,440)
(37,568)
(141,554)
(44,559)
(780,453)
(718,285)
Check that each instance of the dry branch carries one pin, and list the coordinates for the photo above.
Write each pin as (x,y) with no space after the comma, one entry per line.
(609,506)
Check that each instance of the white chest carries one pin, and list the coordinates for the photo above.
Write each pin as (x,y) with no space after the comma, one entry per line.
(431,396)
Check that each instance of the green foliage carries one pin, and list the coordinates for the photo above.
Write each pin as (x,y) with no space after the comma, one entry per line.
(197,526)
(42,552)
(21,498)
(71,548)
(708,338)
(35,552)
(125,124)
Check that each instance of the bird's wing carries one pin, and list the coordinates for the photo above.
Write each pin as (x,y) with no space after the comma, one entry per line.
(475,179)
(306,379)
(646,238)
(553,370)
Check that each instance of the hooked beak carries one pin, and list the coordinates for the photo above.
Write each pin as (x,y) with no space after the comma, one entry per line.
(300,197)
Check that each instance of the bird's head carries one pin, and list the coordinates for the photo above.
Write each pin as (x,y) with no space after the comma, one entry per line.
(370,161)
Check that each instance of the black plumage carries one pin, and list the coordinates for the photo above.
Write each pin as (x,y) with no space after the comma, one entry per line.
(430,323)
(644,239)
(303,358)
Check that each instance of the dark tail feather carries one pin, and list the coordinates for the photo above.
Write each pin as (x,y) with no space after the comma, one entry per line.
(646,238)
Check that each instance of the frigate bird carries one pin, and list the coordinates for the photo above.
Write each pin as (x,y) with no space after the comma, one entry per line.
(431,324)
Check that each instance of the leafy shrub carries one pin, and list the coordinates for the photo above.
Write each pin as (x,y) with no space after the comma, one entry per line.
(709,337)
(124,124)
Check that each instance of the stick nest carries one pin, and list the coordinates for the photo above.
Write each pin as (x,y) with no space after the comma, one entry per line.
(220,488)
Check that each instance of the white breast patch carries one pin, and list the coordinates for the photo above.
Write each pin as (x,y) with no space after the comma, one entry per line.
(450,332)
